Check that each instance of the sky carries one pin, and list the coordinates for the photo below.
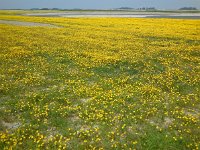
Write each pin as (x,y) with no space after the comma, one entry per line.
(97,4)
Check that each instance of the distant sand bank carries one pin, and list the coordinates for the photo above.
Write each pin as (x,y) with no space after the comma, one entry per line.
(119,14)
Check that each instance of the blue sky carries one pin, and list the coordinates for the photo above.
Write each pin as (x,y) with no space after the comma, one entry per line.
(97,4)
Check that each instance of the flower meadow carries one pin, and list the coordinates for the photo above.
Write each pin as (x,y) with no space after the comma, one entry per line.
(100,83)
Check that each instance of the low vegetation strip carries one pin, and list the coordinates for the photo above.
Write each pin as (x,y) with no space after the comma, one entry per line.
(100,83)
(29,24)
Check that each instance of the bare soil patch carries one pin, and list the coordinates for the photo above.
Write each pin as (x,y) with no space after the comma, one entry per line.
(29,24)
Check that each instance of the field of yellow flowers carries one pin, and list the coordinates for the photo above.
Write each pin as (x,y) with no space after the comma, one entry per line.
(100,83)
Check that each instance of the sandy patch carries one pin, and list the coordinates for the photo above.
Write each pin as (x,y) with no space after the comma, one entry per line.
(28,24)
(13,125)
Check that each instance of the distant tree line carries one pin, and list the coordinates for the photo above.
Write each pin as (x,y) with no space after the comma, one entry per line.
(143,8)
(121,8)
(125,8)
(45,9)
(188,8)
(147,8)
